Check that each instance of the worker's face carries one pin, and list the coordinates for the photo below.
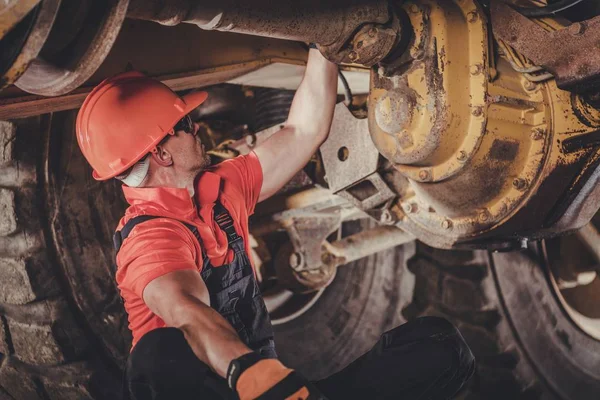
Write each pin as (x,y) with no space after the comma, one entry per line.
(187,151)
(191,153)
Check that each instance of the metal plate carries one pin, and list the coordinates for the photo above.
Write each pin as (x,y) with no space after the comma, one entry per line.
(349,154)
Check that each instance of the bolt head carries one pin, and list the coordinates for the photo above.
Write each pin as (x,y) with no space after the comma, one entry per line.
(477,111)
(530,85)
(484,216)
(538,134)
(423,175)
(472,16)
(386,216)
(476,69)
(409,208)
(446,224)
(372,32)
(414,9)
(353,56)
(462,155)
(519,183)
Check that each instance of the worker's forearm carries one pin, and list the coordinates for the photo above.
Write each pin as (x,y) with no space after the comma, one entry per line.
(211,337)
(312,108)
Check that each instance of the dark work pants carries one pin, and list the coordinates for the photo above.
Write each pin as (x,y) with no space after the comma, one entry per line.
(423,359)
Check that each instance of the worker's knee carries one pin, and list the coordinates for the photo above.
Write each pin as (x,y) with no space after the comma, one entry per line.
(439,337)
(163,358)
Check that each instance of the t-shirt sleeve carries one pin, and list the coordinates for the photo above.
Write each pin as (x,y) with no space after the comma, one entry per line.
(245,172)
(154,249)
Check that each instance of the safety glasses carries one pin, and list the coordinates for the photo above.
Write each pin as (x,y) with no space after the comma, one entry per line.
(185,124)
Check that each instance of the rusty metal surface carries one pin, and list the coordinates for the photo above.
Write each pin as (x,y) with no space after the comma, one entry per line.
(13,12)
(371,44)
(36,36)
(92,45)
(570,54)
(369,192)
(349,154)
(308,21)
(179,67)
(365,243)
(429,119)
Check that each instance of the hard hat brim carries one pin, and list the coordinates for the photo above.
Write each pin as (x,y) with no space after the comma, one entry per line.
(191,100)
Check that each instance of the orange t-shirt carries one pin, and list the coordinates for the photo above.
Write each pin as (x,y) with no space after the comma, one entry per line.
(164,245)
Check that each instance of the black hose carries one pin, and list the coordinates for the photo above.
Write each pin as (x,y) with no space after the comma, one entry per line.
(347,91)
(549,10)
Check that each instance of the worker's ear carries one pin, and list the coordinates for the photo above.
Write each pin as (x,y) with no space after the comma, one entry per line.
(162,156)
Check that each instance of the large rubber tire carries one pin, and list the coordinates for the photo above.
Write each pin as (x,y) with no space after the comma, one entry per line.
(63,331)
(504,304)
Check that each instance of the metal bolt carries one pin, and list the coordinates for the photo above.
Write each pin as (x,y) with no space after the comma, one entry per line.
(423,175)
(386,217)
(251,140)
(577,29)
(353,56)
(476,69)
(519,183)
(462,155)
(538,134)
(477,111)
(295,260)
(372,32)
(530,85)
(414,9)
(484,216)
(418,54)
(472,16)
(409,208)
(446,224)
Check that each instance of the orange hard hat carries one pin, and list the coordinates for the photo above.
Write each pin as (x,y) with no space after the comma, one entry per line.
(125,117)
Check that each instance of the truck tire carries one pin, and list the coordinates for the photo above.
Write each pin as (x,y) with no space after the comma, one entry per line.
(525,345)
(62,329)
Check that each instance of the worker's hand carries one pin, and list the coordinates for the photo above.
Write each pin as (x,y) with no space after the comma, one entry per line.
(253,376)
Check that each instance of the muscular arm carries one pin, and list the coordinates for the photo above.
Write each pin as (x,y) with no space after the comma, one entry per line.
(309,120)
(181,299)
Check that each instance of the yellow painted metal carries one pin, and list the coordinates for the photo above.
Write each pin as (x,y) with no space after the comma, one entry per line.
(480,146)
(13,12)
(432,119)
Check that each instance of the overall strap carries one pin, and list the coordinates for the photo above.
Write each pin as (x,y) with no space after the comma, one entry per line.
(225,222)
(121,235)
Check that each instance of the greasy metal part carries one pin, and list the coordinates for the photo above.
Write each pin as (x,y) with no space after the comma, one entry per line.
(31,34)
(486,154)
(349,154)
(365,243)
(309,21)
(368,193)
(13,13)
(371,44)
(178,66)
(56,74)
(429,120)
(569,54)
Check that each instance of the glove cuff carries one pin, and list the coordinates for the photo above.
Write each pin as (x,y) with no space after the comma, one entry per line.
(239,365)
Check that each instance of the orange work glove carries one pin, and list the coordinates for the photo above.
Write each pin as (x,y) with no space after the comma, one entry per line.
(253,376)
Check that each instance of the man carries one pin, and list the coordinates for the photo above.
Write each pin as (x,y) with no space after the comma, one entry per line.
(200,327)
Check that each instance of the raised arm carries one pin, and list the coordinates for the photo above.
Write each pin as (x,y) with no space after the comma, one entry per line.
(287,151)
